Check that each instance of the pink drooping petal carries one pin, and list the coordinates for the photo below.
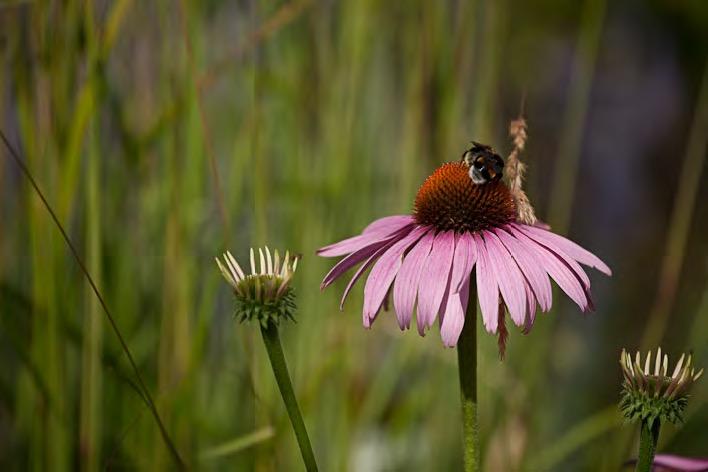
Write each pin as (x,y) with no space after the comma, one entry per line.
(353,259)
(574,250)
(486,286)
(432,285)
(453,320)
(358,242)
(572,265)
(680,463)
(530,310)
(530,267)
(383,273)
(561,273)
(542,225)
(560,254)
(465,291)
(388,224)
(463,262)
(405,287)
(509,278)
(361,270)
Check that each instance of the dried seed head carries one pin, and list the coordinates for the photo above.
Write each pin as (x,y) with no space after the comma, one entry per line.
(515,173)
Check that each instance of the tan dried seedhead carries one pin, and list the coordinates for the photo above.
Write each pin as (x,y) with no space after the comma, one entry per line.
(514,172)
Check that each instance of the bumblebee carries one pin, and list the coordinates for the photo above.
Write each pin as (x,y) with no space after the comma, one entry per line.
(485,165)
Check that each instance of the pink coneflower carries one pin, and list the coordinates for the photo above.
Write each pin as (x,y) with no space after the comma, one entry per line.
(466,222)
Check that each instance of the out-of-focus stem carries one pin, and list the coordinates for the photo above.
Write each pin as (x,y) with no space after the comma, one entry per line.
(680,223)
(565,173)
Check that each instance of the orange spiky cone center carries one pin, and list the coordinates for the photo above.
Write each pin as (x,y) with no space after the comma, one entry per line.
(449,200)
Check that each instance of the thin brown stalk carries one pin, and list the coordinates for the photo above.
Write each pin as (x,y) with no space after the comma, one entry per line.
(145,392)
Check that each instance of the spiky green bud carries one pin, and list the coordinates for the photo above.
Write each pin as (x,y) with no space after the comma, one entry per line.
(651,394)
(264,296)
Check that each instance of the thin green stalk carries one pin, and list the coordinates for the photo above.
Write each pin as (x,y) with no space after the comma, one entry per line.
(146,396)
(648,437)
(467,366)
(271,339)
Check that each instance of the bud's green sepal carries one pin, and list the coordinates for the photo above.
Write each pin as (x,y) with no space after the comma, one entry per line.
(266,311)
(638,405)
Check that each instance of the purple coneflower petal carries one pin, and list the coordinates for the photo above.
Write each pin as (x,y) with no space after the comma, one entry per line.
(561,273)
(361,270)
(570,263)
(560,254)
(509,278)
(388,224)
(486,286)
(405,287)
(530,310)
(579,253)
(465,288)
(453,320)
(358,242)
(463,262)
(531,268)
(431,288)
(383,273)
(351,260)
(454,305)
(679,463)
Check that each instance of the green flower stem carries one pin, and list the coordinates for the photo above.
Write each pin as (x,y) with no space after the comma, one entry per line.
(271,339)
(648,437)
(467,366)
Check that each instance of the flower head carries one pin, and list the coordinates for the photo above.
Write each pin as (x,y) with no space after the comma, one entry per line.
(650,393)
(465,221)
(263,295)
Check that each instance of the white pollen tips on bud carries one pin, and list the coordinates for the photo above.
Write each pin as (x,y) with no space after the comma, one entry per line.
(269,260)
(239,271)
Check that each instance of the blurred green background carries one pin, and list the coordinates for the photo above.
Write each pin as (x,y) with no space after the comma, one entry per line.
(165,132)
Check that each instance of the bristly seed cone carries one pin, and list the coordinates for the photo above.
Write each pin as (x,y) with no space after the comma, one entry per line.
(449,200)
